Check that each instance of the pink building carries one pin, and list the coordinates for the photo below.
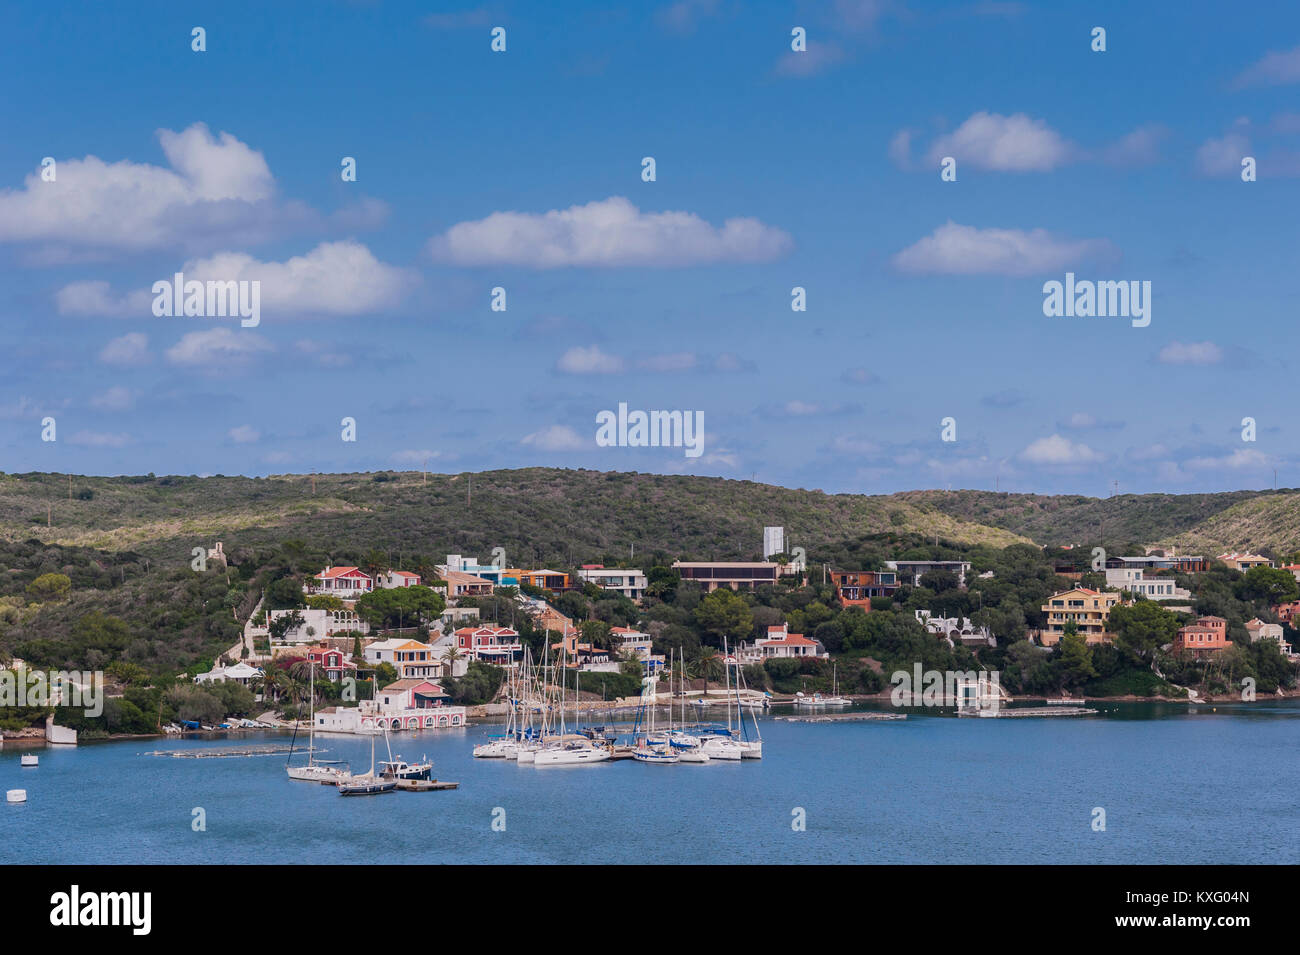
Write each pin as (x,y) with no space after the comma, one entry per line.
(345,582)
(497,645)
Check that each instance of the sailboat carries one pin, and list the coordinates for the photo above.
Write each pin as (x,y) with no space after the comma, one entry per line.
(654,748)
(368,784)
(687,747)
(316,771)
(721,744)
(750,748)
(505,746)
(568,750)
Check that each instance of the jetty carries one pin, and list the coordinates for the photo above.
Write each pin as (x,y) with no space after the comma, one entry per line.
(1057,710)
(269,750)
(843,718)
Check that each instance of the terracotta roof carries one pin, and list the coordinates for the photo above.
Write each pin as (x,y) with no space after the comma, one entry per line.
(338,572)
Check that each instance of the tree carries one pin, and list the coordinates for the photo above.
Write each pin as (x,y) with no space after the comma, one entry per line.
(1075,657)
(284,623)
(1142,627)
(1270,584)
(399,606)
(50,587)
(724,613)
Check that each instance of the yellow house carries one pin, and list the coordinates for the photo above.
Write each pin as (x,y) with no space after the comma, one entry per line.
(1089,609)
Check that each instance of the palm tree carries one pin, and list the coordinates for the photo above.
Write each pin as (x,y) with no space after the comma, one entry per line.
(449,657)
(374,561)
(710,665)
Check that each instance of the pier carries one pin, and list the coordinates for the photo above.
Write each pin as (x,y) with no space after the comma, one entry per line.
(1031,711)
(843,718)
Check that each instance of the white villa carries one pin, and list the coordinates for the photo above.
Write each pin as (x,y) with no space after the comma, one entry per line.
(317,624)
(629,583)
(781,643)
(238,673)
(956,630)
(1152,588)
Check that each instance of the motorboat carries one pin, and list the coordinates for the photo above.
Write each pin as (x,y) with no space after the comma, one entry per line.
(398,768)
(721,747)
(29,760)
(500,748)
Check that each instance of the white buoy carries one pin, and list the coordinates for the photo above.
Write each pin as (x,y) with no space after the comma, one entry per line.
(30,760)
(16,795)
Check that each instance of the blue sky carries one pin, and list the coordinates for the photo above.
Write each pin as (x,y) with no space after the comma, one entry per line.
(775,169)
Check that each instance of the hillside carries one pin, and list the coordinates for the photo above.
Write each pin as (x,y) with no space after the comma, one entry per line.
(542,515)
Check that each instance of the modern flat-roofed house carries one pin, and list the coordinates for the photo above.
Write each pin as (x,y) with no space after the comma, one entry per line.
(1153,588)
(1087,609)
(780,643)
(1158,560)
(630,583)
(738,575)
(551,580)
(390,580)
(911,571)
(1244,562)
(855,588)
(497,645)
(639,645)
(1206,636)
(347,583)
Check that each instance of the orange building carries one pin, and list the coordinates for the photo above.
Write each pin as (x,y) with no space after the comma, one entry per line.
(1207,636)
(855,588)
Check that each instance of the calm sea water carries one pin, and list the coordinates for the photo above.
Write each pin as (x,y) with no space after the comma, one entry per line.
(1179,785)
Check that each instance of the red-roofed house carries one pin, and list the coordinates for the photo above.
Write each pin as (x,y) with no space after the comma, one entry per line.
(1289,613)
(781,643)
(332,663)
(490,644)
(345,582)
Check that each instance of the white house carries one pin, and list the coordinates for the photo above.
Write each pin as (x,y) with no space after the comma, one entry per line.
(391,580)
(1153,588)
(956,630)
(240,673)
(780,643)
(629,583)
(317,624)
(1259,630)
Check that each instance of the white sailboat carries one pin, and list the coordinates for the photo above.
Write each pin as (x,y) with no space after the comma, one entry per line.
(568,750)
(324,771)
(687,746)
(655,748)
(368,784)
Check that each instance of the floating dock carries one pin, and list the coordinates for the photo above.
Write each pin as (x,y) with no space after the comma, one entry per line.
(424,785)
(843,718)
(270,750)
(1030,711)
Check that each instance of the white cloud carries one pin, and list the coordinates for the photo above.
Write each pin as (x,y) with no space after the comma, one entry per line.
(1081,420)
(96,298)
(131,349)
(218,349)
(954,249)
(1003,144)
(816,58)
(1190,353)
(243,434)
(674,361)
(1139,148)
(1278,68)
(557,437)
(116,398)
(802,408)
(1222,156)
(415,456)
(335,278)
(607,233)
(99,439)
(1059,451)
(589,361)
(1243,459)
(136,205)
